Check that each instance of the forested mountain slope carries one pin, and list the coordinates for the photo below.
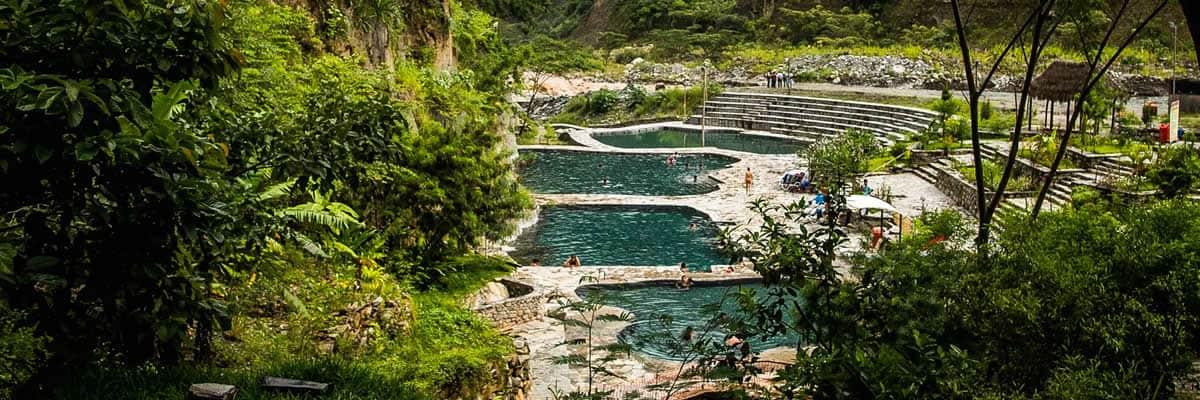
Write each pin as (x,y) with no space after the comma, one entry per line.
(689,28)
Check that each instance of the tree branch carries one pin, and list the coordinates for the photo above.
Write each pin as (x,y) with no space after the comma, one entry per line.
(1037,45)
(1094,77)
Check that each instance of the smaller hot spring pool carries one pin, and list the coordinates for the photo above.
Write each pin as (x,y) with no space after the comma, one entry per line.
(586,172)
(649,336)
(723,140)
(620,236)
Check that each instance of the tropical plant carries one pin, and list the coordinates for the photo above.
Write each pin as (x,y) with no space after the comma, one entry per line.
(1176,172)
(125,225)
(582,318)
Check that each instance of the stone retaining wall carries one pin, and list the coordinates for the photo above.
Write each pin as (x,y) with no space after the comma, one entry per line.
(920,158)
(512,379)
(524,304)
(962,192)
(1086,160)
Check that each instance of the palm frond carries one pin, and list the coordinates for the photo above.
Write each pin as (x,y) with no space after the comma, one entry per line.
(277,190)
(309,245)
(311,213)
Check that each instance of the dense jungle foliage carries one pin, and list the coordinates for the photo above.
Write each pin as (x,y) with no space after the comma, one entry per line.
(1092,303)
(750,31)
(191,183)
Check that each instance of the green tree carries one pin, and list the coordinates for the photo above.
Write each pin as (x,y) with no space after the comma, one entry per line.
(124,226)
(834,160)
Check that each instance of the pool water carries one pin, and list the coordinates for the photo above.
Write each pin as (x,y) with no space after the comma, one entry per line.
(554,171)
(723,140)
(620,236)
(686,308)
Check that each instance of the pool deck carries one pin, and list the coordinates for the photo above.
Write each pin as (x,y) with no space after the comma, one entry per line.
(545,336)
(728,205)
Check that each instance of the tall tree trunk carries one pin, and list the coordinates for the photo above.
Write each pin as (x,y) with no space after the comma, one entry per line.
(975,92)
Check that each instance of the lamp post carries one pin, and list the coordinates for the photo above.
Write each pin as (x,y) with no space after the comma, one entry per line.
(704,102)
(1174,55)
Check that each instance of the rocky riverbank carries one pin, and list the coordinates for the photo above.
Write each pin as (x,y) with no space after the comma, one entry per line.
(854,70)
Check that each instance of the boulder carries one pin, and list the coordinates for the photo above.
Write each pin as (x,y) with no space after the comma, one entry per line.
(493,292)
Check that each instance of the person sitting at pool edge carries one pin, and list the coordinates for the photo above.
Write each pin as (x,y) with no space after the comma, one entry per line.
(535,263)
(685,282)
(683,268)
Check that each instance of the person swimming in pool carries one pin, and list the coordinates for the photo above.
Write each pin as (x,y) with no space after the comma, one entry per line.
(572,262)
(693,227)
(604,181)
(689,333)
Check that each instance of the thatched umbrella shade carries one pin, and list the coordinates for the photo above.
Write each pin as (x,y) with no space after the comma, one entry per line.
(1061,82)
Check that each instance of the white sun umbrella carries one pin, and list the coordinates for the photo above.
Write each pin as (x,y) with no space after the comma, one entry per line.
(860,202)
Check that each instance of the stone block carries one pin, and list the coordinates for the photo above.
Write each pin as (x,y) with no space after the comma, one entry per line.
(211,391)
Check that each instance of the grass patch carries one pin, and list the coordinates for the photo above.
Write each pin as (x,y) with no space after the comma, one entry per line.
(1045,159)
(879,163)
(992,173)
(1108,145)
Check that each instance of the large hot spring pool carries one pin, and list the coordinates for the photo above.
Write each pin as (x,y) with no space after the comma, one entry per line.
(686,308)
(723,140)
(559,171)
(620,236)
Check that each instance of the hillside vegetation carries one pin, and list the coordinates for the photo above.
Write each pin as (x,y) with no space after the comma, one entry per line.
(221,191)
(767,31)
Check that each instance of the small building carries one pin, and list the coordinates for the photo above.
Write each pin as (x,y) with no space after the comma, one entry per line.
(1059,84)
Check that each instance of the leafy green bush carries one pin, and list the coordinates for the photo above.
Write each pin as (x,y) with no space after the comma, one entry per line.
(1176,172)
(925,320)
(22,351)
(601,101)
(834,160)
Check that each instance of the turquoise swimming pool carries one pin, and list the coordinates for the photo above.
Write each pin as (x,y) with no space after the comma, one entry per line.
(586,172)
(723,140)
(617,235)
(686,308)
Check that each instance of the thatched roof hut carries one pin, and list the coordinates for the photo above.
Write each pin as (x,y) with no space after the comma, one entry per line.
(1062,80)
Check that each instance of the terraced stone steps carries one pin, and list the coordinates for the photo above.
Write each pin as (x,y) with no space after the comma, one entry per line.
(809,117)
(1011,211)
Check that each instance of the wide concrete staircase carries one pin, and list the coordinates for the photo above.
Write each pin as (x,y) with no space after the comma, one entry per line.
(811,118)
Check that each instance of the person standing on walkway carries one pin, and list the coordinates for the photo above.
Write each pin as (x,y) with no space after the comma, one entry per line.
(749,179)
